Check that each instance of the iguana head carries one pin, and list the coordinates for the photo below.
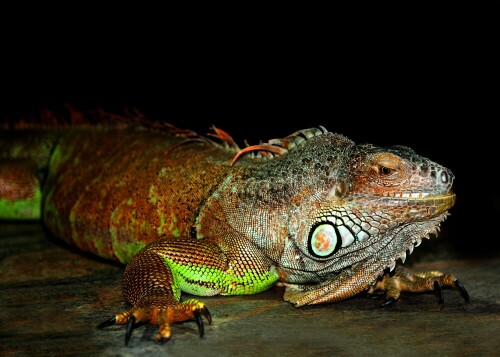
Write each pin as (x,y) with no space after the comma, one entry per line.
(351,211)
(382,192)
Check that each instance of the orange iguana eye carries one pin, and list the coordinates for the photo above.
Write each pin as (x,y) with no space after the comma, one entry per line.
(387,169)
(387,165)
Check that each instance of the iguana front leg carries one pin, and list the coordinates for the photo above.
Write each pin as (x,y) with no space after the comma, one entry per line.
(154,279)
(149,286)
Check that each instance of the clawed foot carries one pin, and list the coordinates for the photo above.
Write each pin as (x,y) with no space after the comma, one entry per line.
(164,317)
(405,280)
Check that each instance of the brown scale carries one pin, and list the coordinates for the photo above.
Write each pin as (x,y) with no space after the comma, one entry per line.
(103,190)
(148,276)
(198,252)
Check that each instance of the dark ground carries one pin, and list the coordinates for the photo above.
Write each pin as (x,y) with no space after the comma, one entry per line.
(52,299)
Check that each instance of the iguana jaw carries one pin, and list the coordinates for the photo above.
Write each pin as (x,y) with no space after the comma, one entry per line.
(409,219)
(373,218)
(407,222)
(362,275)
(423,205)
(410,238)
(448,197)
(431,211)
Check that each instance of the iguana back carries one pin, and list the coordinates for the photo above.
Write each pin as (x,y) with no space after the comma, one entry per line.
(111,191)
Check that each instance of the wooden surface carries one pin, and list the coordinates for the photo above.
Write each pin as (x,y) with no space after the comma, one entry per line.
(52,298)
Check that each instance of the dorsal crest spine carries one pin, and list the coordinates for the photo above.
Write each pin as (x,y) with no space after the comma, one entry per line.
(278,147)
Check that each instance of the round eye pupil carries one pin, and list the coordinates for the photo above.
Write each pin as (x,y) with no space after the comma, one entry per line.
(385,170)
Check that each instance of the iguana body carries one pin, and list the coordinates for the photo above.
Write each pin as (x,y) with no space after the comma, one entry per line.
(313,211)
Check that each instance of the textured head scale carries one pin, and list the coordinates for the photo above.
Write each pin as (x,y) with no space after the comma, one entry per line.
(302,163)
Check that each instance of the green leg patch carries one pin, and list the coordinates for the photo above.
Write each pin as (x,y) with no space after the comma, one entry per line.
(20,195)
(21,209)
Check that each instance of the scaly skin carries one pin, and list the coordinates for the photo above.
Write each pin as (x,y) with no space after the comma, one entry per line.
(313,211)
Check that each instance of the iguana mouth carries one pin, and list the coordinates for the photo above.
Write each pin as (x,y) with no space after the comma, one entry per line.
(416,195)
(434,205)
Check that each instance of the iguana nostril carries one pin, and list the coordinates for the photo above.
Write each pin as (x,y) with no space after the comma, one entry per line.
(445,177)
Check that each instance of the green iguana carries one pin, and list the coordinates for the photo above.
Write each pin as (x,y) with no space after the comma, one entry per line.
(313,211)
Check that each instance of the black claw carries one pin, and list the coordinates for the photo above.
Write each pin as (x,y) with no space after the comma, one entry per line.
(462,290)
(387,302)
(207,315)
(438,292)
(107,323)
(375,295)
(199,322)
(130,327)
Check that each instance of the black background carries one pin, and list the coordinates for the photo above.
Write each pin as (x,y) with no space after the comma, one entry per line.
(421,76)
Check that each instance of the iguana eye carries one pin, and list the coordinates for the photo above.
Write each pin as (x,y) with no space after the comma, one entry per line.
(386,171)
(324,240)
